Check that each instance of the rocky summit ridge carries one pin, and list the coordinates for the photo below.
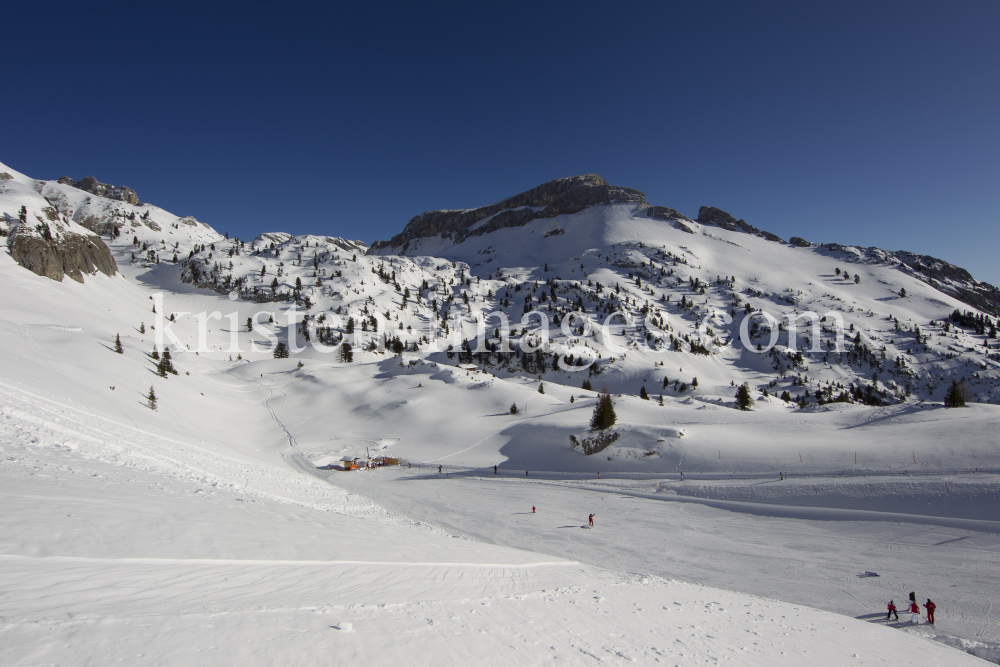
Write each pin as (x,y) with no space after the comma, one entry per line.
(563,196)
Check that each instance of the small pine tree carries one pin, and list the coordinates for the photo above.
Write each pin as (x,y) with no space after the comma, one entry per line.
(902,292)
(118,345)
(541,387)
(661,399)
(350,326)
(281,351)
(643,394)
(346,353)
(249,324)
(743,398)
(955,398)
(513,409)
(155,354)
(142,327)
(604,412)
(151,399)
(857,278)
(587,386)
(694,383)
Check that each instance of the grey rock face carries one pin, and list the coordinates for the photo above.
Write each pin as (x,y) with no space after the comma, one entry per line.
(671,216)
(709,215)
(558,197)
(799,242)
(93,186)
(71,254)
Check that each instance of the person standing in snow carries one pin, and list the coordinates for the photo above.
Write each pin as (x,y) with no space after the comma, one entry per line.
(532,509)
(914,613)
(591,519)
(930,606)
(439,470)
(525,473)
(494,470)
(892,611)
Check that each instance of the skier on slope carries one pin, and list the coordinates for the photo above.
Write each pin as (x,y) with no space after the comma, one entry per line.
(892,610)
(930,606)
(439,470)
(591,519)
(914,613)
(532,509)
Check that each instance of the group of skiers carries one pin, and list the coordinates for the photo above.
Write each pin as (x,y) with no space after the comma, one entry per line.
(914,610)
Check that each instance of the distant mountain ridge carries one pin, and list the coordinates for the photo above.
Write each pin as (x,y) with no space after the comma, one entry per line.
(446,230)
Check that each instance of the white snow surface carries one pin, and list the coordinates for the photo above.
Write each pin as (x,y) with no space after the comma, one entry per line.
(213,531)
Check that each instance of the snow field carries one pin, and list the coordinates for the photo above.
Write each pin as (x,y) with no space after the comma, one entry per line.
(106,563)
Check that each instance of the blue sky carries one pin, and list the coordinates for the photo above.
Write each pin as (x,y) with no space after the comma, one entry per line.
(855,122)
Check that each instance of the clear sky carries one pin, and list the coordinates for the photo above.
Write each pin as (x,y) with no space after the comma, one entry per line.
(869,123)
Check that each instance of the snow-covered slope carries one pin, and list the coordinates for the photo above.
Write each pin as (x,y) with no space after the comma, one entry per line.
(217,517)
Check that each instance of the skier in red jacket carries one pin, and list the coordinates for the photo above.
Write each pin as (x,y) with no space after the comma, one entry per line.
(892,610)
(930,606)
(914,614)
(591,519)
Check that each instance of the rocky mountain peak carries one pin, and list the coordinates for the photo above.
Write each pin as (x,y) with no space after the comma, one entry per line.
(562,196)
(93,186)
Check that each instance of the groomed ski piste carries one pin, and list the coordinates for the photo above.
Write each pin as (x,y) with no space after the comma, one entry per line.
(216,528)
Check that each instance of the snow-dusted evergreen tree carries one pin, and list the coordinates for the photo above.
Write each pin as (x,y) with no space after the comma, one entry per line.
(151,399)
(346,353)
(513,408)
(118,345)
(281,351)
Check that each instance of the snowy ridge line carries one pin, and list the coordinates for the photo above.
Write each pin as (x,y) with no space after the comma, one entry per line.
(250,561)
(187,461)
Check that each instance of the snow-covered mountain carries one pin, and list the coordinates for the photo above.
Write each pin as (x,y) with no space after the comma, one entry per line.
(231,482)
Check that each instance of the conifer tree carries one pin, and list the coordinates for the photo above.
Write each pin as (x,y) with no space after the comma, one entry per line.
(604,412)
(118,345)
(151,399)
(955,398)
(346,353)
(513,409)
(142,327)
(643,394)
(249,324)
(281,351)
(541,387)
(743,398)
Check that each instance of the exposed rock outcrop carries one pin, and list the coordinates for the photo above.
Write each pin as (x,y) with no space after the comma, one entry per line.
(562,196)
(93,186)
(800,242)
(709,215)
(59,254)
(671,216)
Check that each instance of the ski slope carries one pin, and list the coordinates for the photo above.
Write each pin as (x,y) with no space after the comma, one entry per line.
(206,530)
